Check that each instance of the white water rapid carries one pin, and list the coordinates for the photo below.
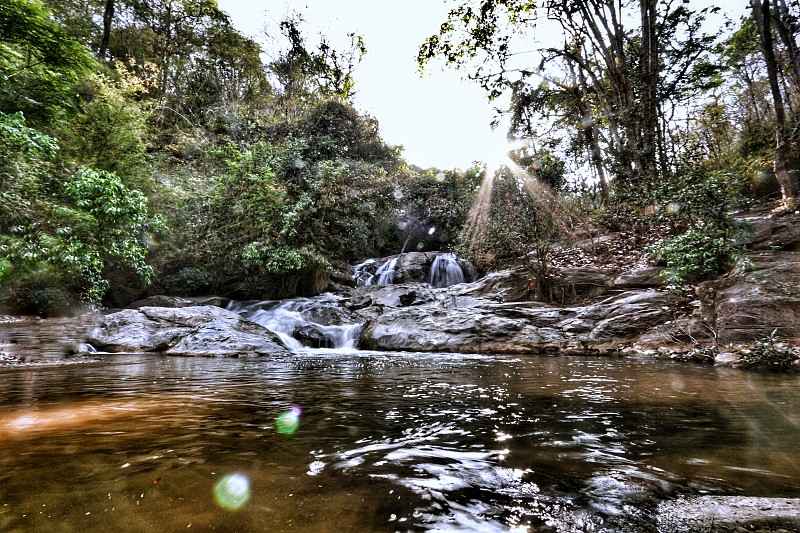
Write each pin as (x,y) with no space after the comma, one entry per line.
(305,323)
(366,274)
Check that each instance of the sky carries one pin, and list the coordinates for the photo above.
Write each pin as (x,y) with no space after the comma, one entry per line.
(441,119)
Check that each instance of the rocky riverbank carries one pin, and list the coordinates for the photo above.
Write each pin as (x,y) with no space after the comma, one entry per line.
(609,312)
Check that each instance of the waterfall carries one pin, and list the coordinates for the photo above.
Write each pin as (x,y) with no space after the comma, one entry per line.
(363,273)
(305,323)
(385,273)
(446,271)
(366,274)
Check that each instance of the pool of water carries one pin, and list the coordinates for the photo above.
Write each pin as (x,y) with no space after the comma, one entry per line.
(364,441)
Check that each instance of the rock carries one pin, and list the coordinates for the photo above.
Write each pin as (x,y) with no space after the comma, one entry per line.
(414,267)
(198,331)
(178,301)
(29,338)
(771,234)
(724,513)
(639,278)
(405,295)
(510,285)
(488,326)
(760,295)
(312,336)
(575,284)
(726,359)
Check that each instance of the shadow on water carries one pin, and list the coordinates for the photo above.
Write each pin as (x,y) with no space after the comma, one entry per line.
(385,442)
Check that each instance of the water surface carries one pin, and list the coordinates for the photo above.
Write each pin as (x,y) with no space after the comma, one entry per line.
(384,442)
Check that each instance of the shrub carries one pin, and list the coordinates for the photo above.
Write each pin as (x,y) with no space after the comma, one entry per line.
(694,255)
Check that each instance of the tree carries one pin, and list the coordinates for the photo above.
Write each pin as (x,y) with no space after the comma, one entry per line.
(303,74)
(762,12)
(61,234)
(39,62)
(615,78)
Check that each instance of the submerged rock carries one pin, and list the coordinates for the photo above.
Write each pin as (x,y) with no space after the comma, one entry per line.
(196,331)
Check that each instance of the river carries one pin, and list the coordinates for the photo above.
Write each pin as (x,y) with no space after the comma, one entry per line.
(339,441)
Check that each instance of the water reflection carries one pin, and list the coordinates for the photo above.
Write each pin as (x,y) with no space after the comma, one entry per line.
(385,442)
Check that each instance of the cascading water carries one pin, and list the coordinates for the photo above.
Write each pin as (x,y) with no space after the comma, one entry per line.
(363,273)
(446,271)
(385,273)
(304,323)
(366,274)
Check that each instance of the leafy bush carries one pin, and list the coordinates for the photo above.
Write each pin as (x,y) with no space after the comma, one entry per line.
(60,236)
(694,255)
(696,204)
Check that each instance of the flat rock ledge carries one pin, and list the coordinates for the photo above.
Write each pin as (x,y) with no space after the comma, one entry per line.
(413,317)
(722,514)
(206,330)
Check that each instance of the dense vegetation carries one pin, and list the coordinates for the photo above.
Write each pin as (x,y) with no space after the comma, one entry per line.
(147,146)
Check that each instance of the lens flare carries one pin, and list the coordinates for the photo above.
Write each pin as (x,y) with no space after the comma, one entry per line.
(289,421)
(232,491)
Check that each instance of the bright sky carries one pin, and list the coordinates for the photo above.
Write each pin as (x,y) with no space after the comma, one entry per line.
(440,119)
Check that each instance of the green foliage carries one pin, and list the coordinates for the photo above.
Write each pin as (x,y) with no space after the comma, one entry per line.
(39,62)
(26,155)
(697,204)
(107,130)
(59,237)
(694,255)
(516,221)
(304,75)
(437,201)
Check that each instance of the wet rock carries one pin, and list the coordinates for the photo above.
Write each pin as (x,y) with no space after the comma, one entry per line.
(414,267)
(312,337)
(405,295)
(197,331)
(726,359)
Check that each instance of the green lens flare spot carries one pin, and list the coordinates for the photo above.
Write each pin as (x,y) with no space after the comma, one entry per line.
(289,421)
(232,491)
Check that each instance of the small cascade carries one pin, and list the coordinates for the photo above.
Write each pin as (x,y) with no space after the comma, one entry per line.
(305,323)
(446,271)
(385,273)
(366,273)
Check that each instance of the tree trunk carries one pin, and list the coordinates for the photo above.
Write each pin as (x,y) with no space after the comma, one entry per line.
(649,93)
(108,18)
(786,179)
(780,15)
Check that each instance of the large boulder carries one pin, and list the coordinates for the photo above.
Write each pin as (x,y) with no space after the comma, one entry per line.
(760,295)
(196,331)
(509,327)
(771,234)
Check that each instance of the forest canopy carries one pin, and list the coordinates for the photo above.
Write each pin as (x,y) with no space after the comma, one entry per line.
(150,147)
